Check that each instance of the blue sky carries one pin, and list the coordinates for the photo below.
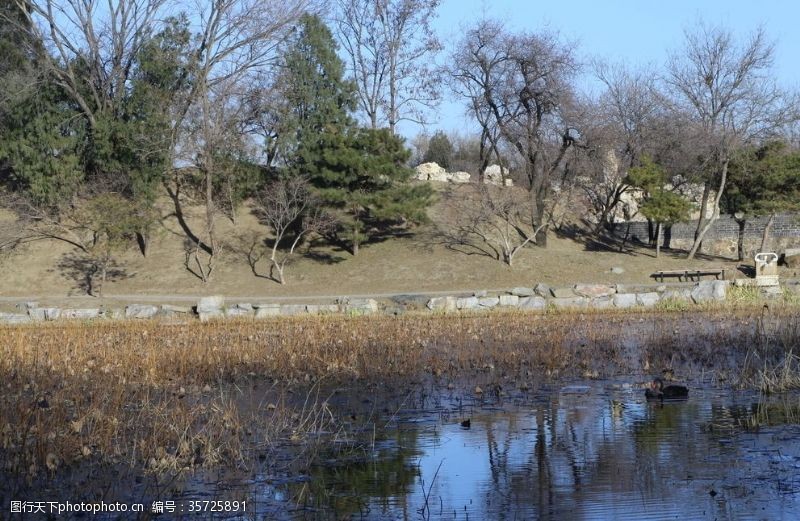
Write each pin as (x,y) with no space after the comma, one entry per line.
(638,32)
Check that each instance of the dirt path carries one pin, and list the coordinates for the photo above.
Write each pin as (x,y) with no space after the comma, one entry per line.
(166,299)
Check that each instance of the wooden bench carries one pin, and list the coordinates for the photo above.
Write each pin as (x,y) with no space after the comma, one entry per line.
(690,274)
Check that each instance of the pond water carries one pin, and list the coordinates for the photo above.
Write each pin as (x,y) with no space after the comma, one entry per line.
(594,452)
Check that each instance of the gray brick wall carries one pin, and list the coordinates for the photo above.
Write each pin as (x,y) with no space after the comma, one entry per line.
(785,226)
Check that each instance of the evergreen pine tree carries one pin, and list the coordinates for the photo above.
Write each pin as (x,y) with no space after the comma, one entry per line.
(660,205)
(359,173)
(440,150)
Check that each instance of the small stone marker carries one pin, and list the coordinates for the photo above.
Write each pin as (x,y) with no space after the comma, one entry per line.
(766,269)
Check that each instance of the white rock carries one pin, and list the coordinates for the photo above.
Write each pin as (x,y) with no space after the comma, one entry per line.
(14,318)
(140,311)
(720,289)
(211,314)
(601,302)
(703,292)
(624,300)
(267,310)
(488,302)
(532,303)
(293,309)
(492,175)
(459,177)
(238,312)
(467,303)
(80,313)
(443,304)
(522,292)
(44,313)
(647,299)
(679,295)
(569,302)
(364,306)
(430,172)
(210,304)
(542,289)
(562,292)
(509,300)
(594,290)
(169,309)
(321,309)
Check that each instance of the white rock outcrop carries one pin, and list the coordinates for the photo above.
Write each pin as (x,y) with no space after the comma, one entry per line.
(493,175)
(433,172)
(459,177)
(430,172)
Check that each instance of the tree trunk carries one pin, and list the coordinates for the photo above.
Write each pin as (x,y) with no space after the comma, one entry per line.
(541,237)
(658,241)
(740,239)
(652,238)
(625,238)
(699,239)
(701,221)
(392,92)
(767,230)
(210,217)
(538,216)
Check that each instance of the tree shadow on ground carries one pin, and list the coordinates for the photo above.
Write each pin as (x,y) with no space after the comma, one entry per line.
(377,231)
(255,250)
(437,236)
(598,242)
(606,241)
(86,272)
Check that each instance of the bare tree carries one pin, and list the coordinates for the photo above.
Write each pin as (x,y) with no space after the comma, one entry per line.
(390,45)
(236,38)
(522,84)
(618,130)
(92,46)
(292,213)
(486,220)
(268,118)
(731,93)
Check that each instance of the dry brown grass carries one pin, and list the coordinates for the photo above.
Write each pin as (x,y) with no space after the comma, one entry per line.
(397,265)
(168,397)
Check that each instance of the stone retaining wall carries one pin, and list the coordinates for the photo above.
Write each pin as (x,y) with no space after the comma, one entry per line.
(722,237)
(539,298)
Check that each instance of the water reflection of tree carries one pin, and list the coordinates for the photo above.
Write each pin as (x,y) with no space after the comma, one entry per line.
(354,486)
(553,462)
(578,451)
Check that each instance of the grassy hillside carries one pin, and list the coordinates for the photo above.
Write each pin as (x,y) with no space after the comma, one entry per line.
(400,264)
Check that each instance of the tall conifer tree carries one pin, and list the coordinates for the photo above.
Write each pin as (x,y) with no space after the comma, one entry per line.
(360,173)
